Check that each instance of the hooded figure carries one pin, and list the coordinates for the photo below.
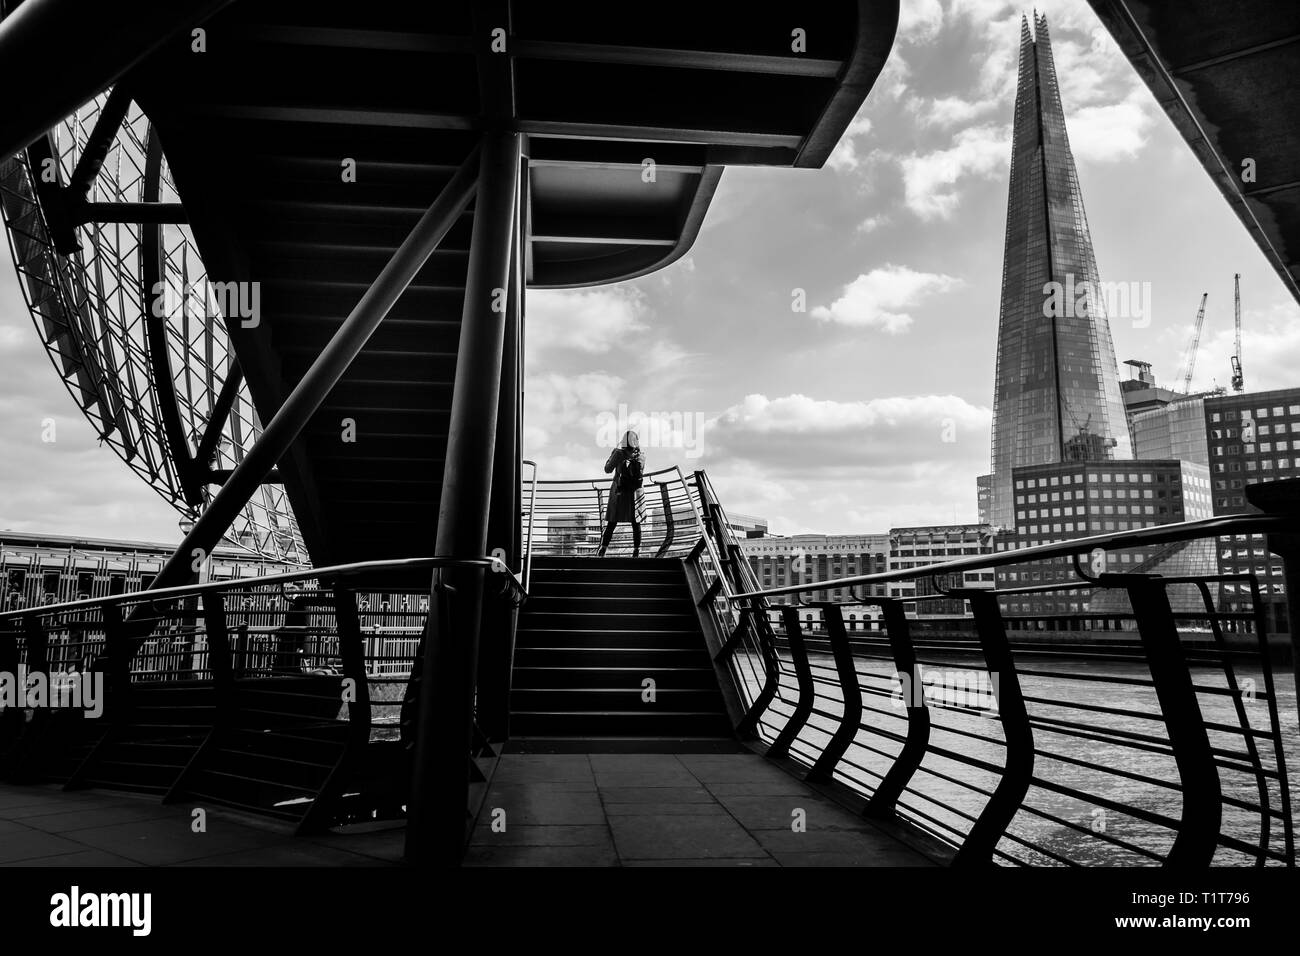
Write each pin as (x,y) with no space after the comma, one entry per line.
(626,501)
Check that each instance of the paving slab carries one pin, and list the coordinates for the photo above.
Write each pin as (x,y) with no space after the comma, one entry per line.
(541,856)
(703,836)
(544,807)
(564,809)
(590,835)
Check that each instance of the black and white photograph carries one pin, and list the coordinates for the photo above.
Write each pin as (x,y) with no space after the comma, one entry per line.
(554,436)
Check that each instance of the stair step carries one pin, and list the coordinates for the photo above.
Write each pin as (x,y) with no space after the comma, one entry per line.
(612,640)
(607,699)
(619,723)
(630,656)
(610,620)
(604,675)
(635,601)
(591,632)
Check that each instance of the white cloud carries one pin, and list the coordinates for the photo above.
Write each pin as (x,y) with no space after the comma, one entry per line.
(844,157)
(593,320)
(892,82)
(872,223)
(879,298)
(950,110)
(567,396)
(930,180)
(1108,134)
(919,21)
(882,435)
(1270,346)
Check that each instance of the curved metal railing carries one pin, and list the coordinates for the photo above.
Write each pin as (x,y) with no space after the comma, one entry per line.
(344,620)
(1159,742)
(570,516)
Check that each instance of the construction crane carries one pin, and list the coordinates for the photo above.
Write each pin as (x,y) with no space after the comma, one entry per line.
(1238,380)
(1189,362)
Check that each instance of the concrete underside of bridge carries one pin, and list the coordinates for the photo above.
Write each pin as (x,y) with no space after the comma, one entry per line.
(1220,71)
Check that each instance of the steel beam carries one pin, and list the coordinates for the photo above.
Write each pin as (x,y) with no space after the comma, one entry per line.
(217,418)
(61,53)
(310,392)
(436,814)
(160,365)
(148,213)
(496,648)
(100,141)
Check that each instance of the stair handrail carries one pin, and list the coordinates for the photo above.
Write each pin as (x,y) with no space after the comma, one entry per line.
(527,565)
(1139,537)
(705,536)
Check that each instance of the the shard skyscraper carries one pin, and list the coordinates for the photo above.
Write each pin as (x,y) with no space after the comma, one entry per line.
(1057,395)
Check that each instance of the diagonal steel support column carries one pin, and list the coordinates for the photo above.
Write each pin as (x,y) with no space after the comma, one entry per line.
(439,804)
(287,423)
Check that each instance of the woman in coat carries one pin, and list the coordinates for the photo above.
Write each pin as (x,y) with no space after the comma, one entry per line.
(625,498)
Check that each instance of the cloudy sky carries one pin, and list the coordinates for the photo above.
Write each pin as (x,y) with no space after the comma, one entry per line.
(872,406)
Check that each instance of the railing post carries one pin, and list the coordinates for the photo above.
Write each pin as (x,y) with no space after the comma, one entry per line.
(1018,770)
(38,657)
(118,651)
(1188,738)
(352,655)
(847,672)
(219,662)
(755,618)
(11,718)
(803,674)
(669,522)
(1283,498)
(884,801)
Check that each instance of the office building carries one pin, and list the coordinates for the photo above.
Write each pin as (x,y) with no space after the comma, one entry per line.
(1069,500)
(1252,437)
(1057,395)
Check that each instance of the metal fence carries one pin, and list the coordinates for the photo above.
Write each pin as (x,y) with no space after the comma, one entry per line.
(1149,745)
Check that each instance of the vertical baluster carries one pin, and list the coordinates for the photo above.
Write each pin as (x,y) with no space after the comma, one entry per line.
(846,671)
(1198,831)
(1018,769)
(803,673)
(219,657)
(885,800)
(352,655)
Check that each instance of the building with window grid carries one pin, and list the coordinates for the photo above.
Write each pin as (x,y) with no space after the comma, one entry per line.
(933,544)
(780,560)
(39,569)
(1173,430)
(1253,437)
(1071,500)
(1057,395)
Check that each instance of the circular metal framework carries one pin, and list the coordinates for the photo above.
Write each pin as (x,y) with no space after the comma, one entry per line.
(105,311)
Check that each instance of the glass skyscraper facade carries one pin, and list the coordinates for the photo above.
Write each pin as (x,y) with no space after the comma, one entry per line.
(1057,395)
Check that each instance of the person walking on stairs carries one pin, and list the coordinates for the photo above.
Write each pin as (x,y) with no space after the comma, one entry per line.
(626,499)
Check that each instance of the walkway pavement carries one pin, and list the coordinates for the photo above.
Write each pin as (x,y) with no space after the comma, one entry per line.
(47,826)
(718,809)
(701,809)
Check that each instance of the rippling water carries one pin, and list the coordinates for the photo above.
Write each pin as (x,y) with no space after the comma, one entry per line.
(1070,826)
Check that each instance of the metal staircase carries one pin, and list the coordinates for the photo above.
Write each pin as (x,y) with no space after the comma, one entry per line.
(612,649)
